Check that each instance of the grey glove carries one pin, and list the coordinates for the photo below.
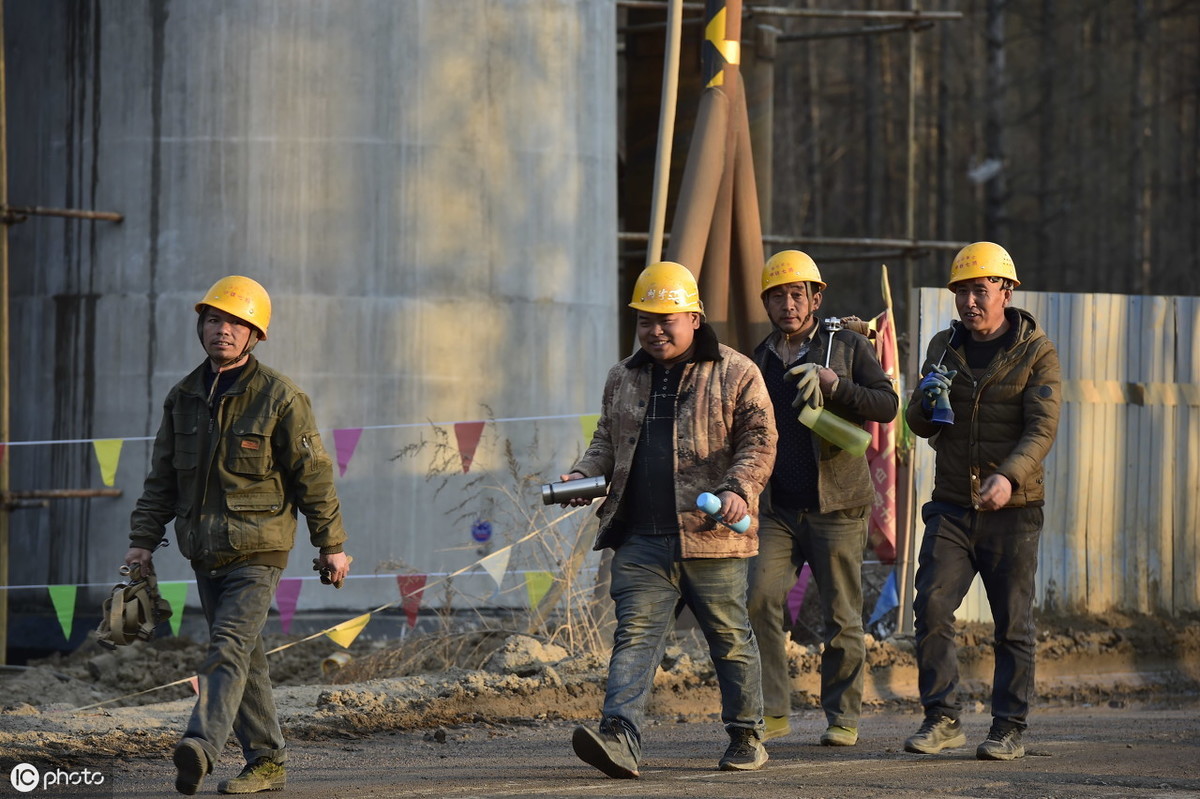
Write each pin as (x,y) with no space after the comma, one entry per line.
(808,384)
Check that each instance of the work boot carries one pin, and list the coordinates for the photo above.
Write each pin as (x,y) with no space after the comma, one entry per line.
(937,732)
(836,735)
(776,727)
(191,766)
(1003,743)
(745,751)
(261,775)
(614,749)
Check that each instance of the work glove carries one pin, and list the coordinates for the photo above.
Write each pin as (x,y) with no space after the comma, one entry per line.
(808,384)
(936,385)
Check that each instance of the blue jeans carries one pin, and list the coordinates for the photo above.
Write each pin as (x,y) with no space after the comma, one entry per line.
(832,545)
(235,685)
(1002,547)
(649,582)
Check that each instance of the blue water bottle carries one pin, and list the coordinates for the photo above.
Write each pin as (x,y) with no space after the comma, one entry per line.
(711,504)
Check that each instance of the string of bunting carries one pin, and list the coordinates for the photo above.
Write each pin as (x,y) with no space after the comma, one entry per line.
(345,440)
(411,588)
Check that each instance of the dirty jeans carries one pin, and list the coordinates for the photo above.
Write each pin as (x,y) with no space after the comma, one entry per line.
(649,581)
(832,545)
(235,686)
(1002,547)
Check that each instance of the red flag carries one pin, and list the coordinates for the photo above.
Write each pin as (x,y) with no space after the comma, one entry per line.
(881,454)
(468,434)
(411,587)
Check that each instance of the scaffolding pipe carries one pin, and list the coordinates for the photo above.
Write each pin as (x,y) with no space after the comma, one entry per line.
(666,132)
(815,13)
(15,213)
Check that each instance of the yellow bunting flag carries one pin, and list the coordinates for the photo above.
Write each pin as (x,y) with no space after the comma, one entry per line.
(344,634)
(175,594)
(536,585)
(587,423)
(108,453)
(63,597)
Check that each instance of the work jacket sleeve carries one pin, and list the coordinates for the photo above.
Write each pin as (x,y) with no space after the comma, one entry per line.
(156,506)
(1042,404)
(600,456)
(308,469)
(754,438)
(868,396)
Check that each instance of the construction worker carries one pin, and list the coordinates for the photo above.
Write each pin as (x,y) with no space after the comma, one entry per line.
(682,416)
(236,456)
(989,403)
(819,498)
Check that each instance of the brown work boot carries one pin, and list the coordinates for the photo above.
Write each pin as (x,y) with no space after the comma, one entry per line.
(261,775)
(191,766)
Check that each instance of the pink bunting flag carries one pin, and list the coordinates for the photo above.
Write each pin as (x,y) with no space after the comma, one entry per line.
(195,683)
(411,587)
(286,596)
(795,597)
(468,434)
(345,441)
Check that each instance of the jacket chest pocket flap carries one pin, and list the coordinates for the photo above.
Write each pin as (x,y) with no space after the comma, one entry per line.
(249,447)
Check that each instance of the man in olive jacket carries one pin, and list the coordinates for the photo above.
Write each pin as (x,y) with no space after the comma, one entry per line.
(1001,376)
(820,496)
(236,456)
(683,416)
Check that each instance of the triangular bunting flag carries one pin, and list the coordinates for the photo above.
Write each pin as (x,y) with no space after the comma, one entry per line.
(536,585)
(63,597)
(888,599)
(345,441)
(496,564)
(411,587)
(175,595)
(195,683)
(286,596)
(587,424)
(108,453)
(344,634)
(795,597)
(468,434)
(2,448)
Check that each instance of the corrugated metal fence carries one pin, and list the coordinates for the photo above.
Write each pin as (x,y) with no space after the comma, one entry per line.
(1122,526)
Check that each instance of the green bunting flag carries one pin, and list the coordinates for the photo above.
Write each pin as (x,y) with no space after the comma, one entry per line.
(63,597)
(175,595)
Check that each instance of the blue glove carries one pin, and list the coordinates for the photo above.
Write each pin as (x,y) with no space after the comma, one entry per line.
(935,388)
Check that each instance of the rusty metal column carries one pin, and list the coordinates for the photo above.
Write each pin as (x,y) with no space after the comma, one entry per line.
(4,353)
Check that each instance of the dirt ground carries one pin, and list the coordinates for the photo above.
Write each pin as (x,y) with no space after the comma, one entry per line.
(499,682)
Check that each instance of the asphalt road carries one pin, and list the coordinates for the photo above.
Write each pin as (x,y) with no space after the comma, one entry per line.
(1121,751)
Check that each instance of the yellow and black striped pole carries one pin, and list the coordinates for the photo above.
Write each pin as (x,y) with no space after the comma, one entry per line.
(721,53)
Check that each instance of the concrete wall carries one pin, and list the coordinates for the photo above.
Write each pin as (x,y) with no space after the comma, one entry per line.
(427,189)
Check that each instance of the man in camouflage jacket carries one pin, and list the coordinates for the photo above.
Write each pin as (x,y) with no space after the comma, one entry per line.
(682,416)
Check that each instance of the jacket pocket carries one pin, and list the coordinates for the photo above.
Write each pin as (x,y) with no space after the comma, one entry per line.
(257,521)
(248,451)
(185,532)
(186,453)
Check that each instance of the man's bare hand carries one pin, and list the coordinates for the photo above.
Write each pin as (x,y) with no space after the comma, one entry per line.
(995,493)
(334,567)
(142,557)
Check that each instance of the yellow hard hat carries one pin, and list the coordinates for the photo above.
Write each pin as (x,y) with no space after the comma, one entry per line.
(790,266)
(982,259)
(666,287)
(241,297)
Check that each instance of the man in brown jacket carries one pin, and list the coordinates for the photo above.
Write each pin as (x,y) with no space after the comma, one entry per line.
(1001,376)
(683,416)
(820,496)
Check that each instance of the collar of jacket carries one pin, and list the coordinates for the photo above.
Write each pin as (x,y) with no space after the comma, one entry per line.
(194,383)
(1021,320)
(776,334)
(706,349)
